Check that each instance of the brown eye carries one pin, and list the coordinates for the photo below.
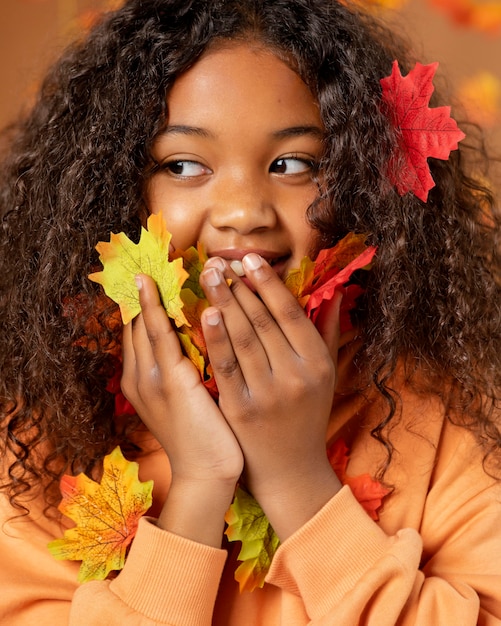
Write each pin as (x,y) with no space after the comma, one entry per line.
(185,169)
(291,165)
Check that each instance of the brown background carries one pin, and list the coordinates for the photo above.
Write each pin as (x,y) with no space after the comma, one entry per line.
(32,32)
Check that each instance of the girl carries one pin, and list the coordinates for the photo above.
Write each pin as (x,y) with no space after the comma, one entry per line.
(259,128)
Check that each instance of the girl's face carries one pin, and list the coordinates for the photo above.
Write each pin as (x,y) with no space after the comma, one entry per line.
(238,158)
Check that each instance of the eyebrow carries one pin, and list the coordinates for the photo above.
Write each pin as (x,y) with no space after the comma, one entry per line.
(283,133)
(298,131)
(182,129)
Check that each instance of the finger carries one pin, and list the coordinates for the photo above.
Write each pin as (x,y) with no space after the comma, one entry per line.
(128,363)
(153,326)
(240,305)
(245,317)
(224,363)
(283,306)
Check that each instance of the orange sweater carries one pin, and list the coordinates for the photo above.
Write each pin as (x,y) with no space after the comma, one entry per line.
(433,559)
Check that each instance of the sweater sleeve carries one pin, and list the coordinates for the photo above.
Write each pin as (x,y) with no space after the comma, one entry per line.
(166,580)
(447,571)
(356,570)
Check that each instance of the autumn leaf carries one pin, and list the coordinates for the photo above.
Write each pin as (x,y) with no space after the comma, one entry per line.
(313,275)
(193,262)
(367,491)
(424,132)
(315,282)
(333,279)
(106,516)
(123,259)
(481,97)
(377,5)
(248,523)
(177,276)
(484,17)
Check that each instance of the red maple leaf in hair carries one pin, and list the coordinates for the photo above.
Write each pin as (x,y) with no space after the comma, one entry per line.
(424,132)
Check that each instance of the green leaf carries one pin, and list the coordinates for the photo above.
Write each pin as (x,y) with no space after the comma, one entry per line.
(248,523)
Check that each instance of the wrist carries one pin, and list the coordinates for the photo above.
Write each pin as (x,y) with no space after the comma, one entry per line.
(292,502)
(195,509)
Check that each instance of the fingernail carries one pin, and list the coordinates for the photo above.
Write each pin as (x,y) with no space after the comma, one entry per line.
(212,317)
(252,261)
(213,277)
(139,282)
(216,262)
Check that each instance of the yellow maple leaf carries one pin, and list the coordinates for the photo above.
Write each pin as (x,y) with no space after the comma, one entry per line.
(106,516)
(123,259)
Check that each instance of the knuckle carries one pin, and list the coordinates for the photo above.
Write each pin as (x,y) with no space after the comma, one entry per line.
(154,337)
(144,385)
(292,311)
(244,341)
(226,367)
(262,321)
(325,372)
(297,384)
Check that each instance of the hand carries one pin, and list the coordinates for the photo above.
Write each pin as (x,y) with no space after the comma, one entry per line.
(166,391)
(276,380)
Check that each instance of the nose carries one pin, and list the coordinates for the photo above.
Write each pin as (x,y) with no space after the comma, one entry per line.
(243,203)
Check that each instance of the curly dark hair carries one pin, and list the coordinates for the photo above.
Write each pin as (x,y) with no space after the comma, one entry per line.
(76,169)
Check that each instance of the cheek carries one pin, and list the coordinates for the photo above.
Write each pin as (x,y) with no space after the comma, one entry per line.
(181,217)
(306,238)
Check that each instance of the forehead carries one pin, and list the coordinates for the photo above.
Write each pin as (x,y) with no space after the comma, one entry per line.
(237,79)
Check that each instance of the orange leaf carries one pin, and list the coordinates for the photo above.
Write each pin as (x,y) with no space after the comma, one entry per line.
(367,491)
(481,16)
(333,280)
(106,516)
(481,97)
(316,282)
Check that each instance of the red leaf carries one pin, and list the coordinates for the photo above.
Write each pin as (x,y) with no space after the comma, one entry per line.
(326,290)
(424,132)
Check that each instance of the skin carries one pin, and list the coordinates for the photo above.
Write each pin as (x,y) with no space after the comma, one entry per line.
(236,172)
